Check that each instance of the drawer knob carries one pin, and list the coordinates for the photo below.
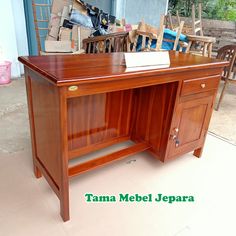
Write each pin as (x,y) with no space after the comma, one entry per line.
(73,88)
(203,86)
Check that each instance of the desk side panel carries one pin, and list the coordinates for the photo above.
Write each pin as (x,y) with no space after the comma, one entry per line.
(99,118)
(45,101)
(152,119)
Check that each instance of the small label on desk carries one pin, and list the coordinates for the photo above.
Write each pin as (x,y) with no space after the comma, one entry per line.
(145,59)
(73,88)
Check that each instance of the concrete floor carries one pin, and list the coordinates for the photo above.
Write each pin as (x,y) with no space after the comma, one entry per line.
(29,207)
(14,125)
(223,122)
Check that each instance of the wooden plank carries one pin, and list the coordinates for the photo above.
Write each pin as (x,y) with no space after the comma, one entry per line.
(85,150)
(101,161)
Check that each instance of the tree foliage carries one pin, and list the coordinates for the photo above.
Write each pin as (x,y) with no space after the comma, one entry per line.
(211,9)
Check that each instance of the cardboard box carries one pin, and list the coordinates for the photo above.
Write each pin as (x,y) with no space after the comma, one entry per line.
(75,38)
(84,33)
(58,5)
(50,38)
(58,46)
(56,15)
(54,25)
(65,14)
(65,34)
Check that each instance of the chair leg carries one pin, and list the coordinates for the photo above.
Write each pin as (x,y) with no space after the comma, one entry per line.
(221,95)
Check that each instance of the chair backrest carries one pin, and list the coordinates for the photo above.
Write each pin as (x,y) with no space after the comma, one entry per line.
(148,33)
(114,42)
(228,53)
(169,22)
(197,24)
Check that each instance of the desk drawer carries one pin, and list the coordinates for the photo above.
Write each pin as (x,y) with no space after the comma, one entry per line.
(199,85)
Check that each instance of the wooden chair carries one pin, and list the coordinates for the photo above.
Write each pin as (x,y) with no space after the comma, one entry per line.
(169,22)
(114,42)
(177,41)
(173,22)
(197,24)
(149,33)
(227,53)
(204,47)
(204,44)
(41,13)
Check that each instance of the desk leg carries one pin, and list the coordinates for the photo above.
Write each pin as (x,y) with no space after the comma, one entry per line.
(198,152)
(37,172)
(64,183)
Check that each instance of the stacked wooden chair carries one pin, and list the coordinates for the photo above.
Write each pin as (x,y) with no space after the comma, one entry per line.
(178,28)
(204,44)
(147,34)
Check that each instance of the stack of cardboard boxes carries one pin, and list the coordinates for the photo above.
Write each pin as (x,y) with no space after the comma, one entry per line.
(64,36)
(61,37)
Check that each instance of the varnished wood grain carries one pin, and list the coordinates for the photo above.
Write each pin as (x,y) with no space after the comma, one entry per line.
(199,85)
(108,105)
(191,119)
(95,118)
(89,165)
(46,122)
(152,120)
(32,126)
(71,69)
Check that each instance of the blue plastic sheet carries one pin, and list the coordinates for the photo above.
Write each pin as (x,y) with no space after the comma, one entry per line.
(168,34)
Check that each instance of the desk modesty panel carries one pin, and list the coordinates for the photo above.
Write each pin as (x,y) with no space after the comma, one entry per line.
(82,103)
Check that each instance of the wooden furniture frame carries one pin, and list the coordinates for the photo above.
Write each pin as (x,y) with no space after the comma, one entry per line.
(197,24)
(228,53)
(114,42)
(41,13)
(82,103)
(148,33)
(169,20)
(207,42)
(177,41)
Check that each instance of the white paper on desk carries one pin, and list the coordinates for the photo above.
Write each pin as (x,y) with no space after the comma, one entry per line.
(145,59)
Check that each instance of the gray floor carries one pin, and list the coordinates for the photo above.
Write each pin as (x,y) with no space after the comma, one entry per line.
(223,122)
(14,128)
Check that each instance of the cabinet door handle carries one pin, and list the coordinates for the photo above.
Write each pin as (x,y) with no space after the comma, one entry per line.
(176,143)
(203,86)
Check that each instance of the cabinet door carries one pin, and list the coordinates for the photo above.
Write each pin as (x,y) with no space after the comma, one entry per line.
(189,126)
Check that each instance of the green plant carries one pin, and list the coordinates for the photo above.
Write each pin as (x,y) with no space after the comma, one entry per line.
(211,9)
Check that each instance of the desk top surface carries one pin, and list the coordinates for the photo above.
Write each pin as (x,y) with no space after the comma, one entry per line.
(67,69)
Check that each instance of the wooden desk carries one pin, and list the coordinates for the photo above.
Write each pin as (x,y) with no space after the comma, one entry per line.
(82,103)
